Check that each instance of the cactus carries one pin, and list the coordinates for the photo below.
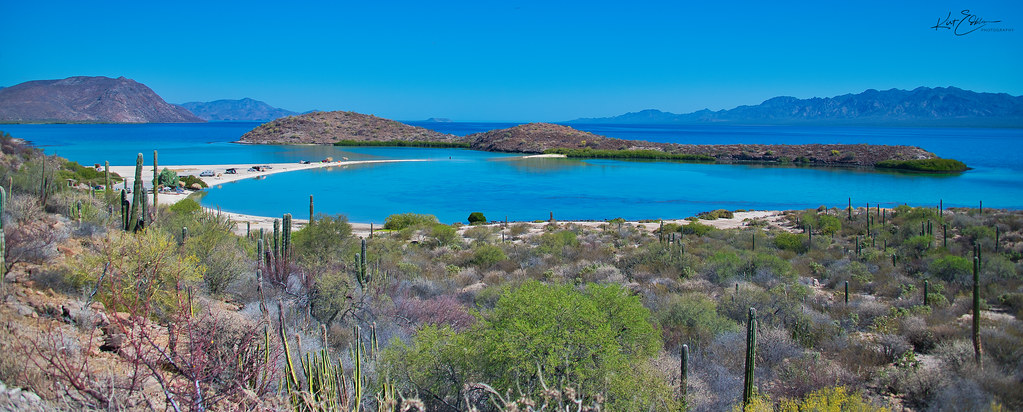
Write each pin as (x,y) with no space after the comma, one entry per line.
(248,230)
(137,197)
(981,207)
(847,292)
(684,373)
(106,179)
(310,209)
(156,182)
(124,210)
(997,233)
(754,237)
(926,298)
(751,352)
(977,351)
(286,239)
(290,376)
(850,208)
(184,235)
(3,239)
(944,235)
(362,262)
(277,237)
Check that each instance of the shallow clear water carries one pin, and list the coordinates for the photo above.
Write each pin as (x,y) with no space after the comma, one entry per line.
(456,182)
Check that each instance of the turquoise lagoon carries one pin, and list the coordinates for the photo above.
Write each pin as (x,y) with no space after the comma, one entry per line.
(455,182)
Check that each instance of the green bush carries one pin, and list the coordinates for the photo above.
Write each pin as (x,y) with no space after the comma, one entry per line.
(167,178)
(445,235)
(599,338)
(952,269)
(716,214)
(629,154)
(697,228)
(405,220)
(185,206)
(486,255)
(328,240)
(555,242)
(791,241)
(692,319)
(190,180)
(477,218)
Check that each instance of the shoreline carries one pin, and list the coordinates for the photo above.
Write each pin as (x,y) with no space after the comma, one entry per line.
(738,220)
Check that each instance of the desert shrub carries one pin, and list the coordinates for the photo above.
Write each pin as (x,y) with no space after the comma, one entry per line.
(438,311)
(486,255)
(192,180)
(716,214)
(952,269)
(405,220)
(30,234)
(830,399)
(479,234)
(167,178)
(220,258)
(691,319)
(137,269)
(586,337)
(697,228)
(331,296)
(556,242)
(444,235)
(185,206)
(723,266)
(326,241)
(518,229)
(476,218)
(791,242)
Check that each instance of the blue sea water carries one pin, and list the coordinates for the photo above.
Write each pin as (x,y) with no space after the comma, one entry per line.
(456,182)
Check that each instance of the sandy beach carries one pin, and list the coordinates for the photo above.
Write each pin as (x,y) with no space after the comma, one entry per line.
(220,175)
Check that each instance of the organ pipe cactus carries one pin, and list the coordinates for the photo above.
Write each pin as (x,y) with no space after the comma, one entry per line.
(125,213)
(751,352)
(310,209)
(926,298)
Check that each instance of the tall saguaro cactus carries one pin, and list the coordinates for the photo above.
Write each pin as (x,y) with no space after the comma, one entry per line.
(137,197)
(684,377)
(977,350)
(106,179)
(751,353)
(310,209)
(156,183)
(3,239)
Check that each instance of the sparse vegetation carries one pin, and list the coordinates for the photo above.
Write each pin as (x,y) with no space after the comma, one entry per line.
(924,165)
(429,316)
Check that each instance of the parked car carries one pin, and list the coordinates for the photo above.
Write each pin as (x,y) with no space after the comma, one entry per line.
(303,162)
(231,171)
(207,173)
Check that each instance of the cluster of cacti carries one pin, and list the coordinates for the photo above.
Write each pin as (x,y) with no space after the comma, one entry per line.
(751,353)
(277,259)
(361,274)
(326,386)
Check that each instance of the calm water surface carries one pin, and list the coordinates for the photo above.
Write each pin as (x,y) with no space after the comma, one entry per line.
(457,182)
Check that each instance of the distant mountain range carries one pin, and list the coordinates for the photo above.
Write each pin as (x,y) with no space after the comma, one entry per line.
(88,99)
(923,106)
(243,110)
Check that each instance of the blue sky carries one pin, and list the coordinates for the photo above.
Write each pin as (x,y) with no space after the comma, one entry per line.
(504,61)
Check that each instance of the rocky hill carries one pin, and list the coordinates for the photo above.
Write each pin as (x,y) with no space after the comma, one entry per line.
(243,110)
(923,106)
(88,99)
(543,137)
(330,127)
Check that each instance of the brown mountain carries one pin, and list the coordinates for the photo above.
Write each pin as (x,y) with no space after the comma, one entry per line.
(330,127)
(88,99)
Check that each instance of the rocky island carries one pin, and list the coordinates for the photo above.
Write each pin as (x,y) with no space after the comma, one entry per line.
(354,129)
